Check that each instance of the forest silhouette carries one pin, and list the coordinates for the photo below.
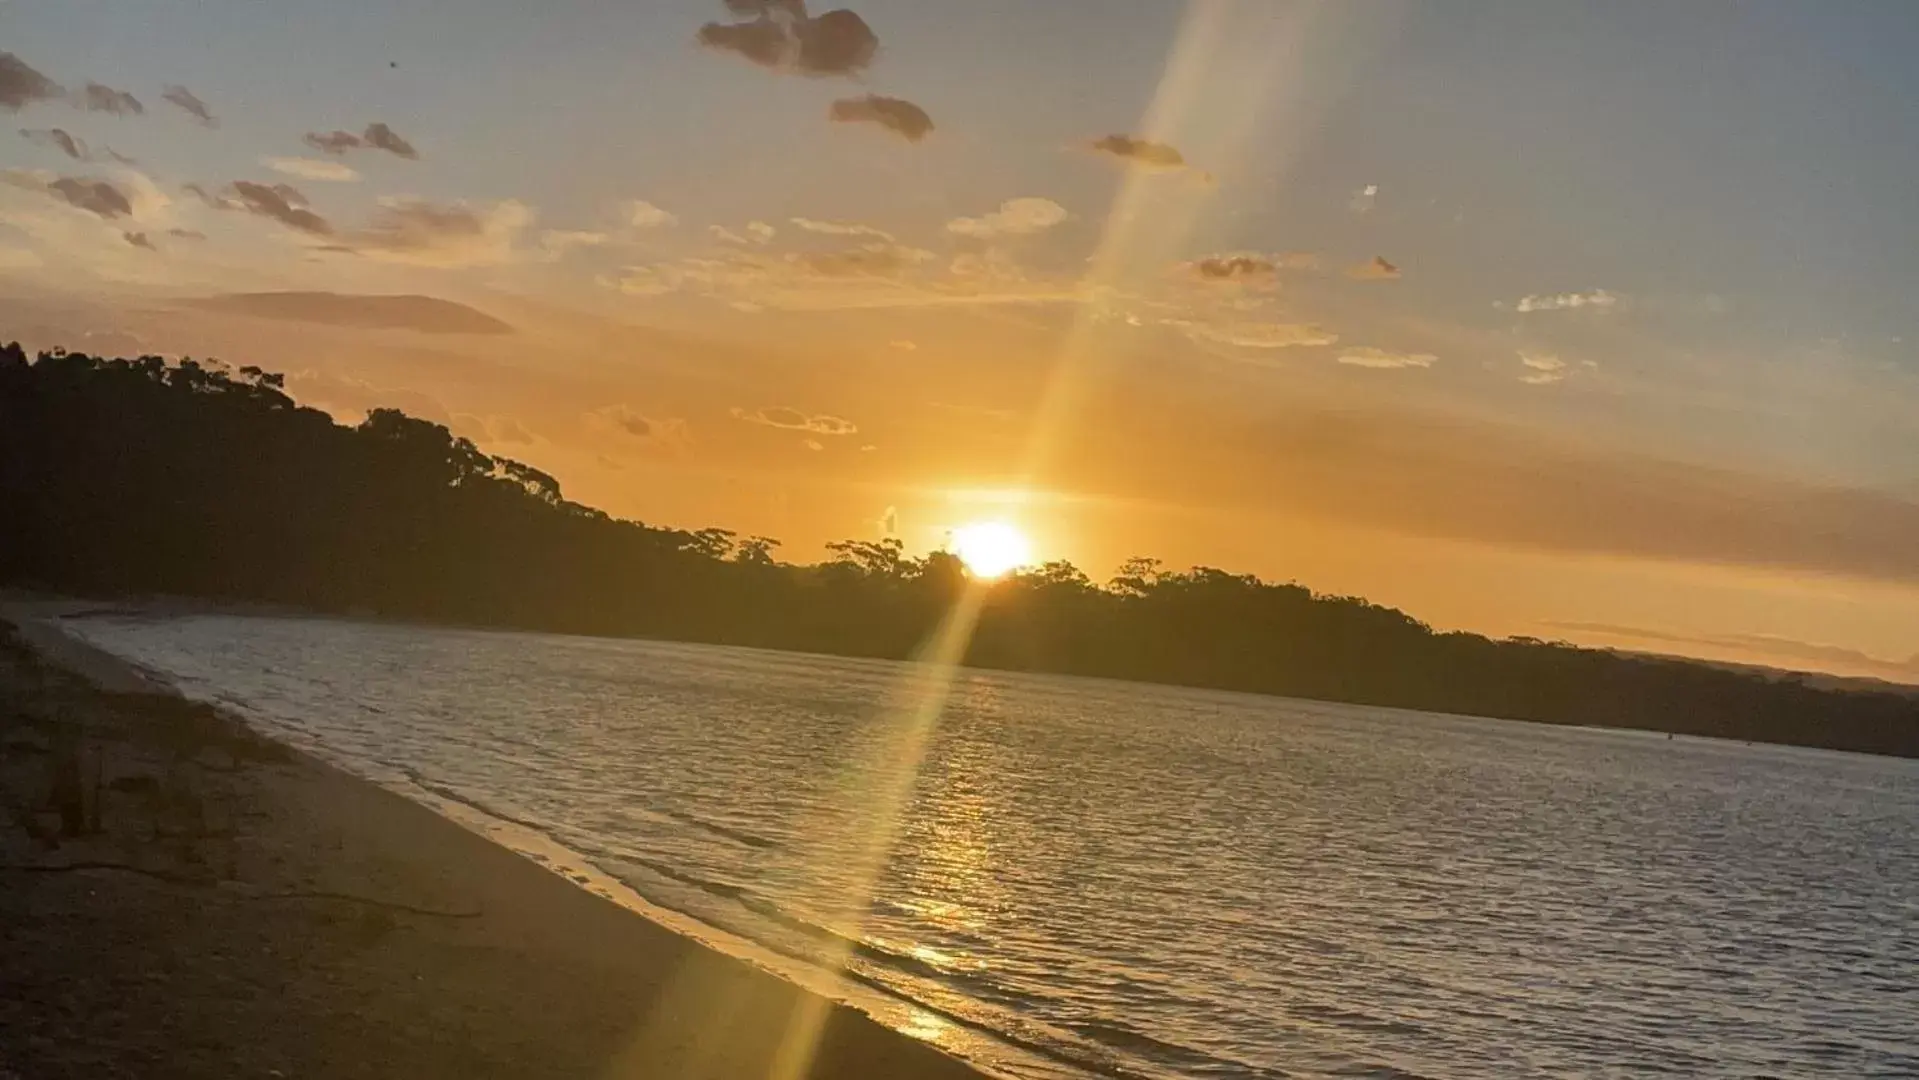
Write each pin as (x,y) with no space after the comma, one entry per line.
(140,477)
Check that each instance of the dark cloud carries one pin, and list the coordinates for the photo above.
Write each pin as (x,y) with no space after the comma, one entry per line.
(94,196)
(98,98)
(380,137)
(377,136)
(422,314)
(790,419)
(1234,267)
(778,34)
(456,234)
(21,85)
(189,101)
(1143,151)
(186,234)
(336,142)
(59,140)
(280,202)
(1376,269)
(903,118)
(139,240)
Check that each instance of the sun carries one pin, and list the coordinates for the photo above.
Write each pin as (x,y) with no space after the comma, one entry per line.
(992,549)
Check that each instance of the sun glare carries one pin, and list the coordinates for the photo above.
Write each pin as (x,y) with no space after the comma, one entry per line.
(992,549)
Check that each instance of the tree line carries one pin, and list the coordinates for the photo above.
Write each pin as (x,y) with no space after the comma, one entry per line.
(133,477)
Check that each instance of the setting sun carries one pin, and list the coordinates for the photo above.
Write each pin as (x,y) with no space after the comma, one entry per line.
(992,549)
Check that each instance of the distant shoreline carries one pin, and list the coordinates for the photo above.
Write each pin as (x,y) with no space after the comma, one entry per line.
(607,985)
(173,606)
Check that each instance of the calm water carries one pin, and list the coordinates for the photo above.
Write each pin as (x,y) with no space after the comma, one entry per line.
(1158,882)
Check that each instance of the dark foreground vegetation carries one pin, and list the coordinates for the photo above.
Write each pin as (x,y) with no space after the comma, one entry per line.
(134,477)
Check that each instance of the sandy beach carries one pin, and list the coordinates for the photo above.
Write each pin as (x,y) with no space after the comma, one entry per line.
(181,897)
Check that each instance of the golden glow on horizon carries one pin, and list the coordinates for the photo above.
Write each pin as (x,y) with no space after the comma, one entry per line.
(992,549)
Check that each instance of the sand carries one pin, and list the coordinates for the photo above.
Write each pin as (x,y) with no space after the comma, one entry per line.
(218,905)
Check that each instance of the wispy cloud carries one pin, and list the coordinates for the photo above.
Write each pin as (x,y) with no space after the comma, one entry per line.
(1597,299)
(1139,151)
(139,240)
(1364,199)
(897,115)
(1385,359)
(451,235)
(313,169)
(181,97)
(1015,217)
(21,85)
(790,419)
(841,228)
(644,215)
(1542,369)
(1255,335)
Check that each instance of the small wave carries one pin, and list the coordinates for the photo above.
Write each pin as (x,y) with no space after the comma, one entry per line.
(1198,1062)
(738,836)
(1355,1020)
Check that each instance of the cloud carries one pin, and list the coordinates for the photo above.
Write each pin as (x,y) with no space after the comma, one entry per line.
(98,98)
(1255,335)
(901,117)
(1375,269)
(421,314)
(427,234)
(789,419)
(186,234)
(186,99)
(21,85)
(377,136)
(59,140)
(336,142)
(904,345)
(841,228)
(97,197)
(628,421)
(1543,369)
(1364,199)
(283,203)
(644,215)
(1139,151)
(1244,266)
(139,240)
(781,37)
(1598,299)
(557,242)
(313,169)
(1015,217)
(756,233)
(380,137)
(1368,357)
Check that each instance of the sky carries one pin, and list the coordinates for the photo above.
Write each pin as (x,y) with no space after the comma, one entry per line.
(1581,321)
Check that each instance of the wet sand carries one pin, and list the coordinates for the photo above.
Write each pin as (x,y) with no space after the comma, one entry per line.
(215,904)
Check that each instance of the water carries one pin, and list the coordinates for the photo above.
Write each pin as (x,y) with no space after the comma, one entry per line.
(1093,877)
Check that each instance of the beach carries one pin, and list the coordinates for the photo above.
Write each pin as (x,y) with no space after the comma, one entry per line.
(211,903)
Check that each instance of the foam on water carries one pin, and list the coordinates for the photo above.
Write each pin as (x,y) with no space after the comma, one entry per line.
(1101,878)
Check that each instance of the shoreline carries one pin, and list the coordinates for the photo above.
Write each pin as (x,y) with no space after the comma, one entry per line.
(399,941)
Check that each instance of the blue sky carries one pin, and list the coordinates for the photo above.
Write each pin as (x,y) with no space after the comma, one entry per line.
(1645,243)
